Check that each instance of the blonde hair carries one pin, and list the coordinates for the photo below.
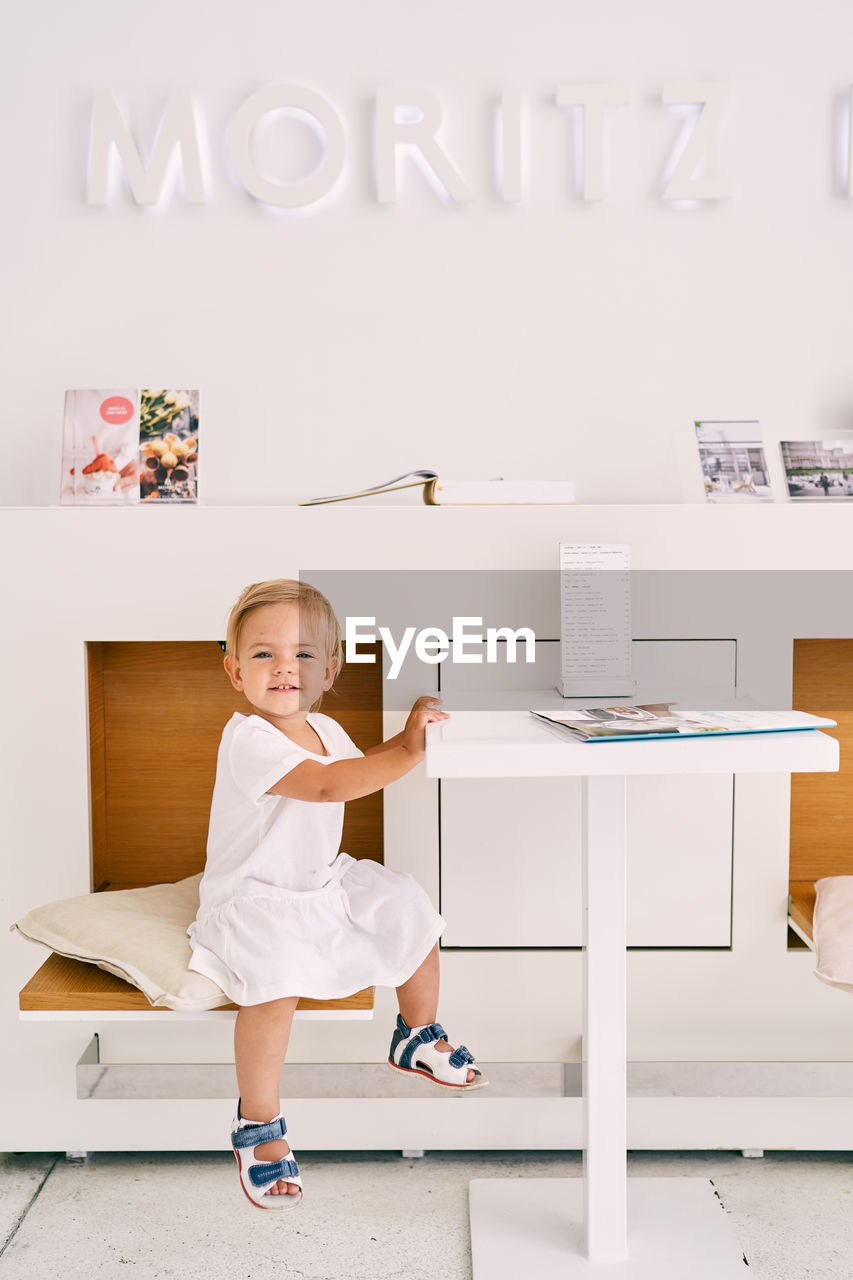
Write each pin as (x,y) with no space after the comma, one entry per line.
(311,602)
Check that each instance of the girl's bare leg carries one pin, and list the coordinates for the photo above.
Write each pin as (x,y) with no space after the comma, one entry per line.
(418,999)
(261,1035)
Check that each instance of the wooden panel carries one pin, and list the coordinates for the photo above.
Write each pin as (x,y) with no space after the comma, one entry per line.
(164,708)
(822,803)
(97,763)
(801,910)
(62,983)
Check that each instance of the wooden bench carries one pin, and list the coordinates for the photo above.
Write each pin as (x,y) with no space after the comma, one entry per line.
(156,713)
(821,803)
(70,985)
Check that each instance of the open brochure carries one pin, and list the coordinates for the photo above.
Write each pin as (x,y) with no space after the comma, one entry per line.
(467,493)
(411,480)
(667,720)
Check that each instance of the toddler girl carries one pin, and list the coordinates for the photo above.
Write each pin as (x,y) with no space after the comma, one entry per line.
(282,913)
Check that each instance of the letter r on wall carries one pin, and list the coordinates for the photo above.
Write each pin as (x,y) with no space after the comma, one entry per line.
(419,134)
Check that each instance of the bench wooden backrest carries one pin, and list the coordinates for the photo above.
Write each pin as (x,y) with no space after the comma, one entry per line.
(156,714)
(822,803)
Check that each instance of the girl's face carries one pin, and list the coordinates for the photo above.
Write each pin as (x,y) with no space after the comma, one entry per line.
(281,665)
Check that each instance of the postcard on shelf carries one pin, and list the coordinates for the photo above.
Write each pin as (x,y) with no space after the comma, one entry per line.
(734,467)
(595,620)
(669,720)
(818,470)
(121,448)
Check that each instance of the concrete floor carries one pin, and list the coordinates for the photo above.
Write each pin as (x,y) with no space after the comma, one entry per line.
(370,1216)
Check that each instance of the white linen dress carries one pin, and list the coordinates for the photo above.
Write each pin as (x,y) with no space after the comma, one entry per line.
(281,911)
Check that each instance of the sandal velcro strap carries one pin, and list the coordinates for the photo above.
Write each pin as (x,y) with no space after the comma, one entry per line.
(262,1174)
(255,1135)
(426,1035)
(460,1057)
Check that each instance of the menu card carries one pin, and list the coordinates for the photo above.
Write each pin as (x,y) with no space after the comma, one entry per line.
(595,620)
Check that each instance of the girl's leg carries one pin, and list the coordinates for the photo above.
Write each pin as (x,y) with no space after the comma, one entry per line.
(418,999)
(261,1035)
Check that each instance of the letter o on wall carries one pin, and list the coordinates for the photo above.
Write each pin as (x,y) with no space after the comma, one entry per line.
(277,97)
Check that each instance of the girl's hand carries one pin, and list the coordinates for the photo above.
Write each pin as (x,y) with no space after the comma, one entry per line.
(425,711)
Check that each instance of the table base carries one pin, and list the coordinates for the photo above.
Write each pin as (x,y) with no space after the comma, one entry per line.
(677,1230)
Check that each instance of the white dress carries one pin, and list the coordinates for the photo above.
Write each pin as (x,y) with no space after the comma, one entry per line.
(281,911)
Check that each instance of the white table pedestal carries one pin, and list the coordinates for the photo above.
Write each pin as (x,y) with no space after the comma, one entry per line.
(602,1224)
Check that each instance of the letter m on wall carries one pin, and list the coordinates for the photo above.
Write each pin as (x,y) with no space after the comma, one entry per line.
(177,131)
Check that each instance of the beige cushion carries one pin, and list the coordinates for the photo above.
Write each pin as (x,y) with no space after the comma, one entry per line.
(833,931)
(137,934)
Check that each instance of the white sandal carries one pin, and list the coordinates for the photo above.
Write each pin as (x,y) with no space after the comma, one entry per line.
(413,1051)
(257,1175)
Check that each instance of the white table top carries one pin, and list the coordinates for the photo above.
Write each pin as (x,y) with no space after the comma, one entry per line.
(514,744)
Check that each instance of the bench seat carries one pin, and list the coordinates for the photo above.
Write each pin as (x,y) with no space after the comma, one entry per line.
(62,985)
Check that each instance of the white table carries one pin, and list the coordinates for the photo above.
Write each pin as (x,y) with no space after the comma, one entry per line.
(604,1224)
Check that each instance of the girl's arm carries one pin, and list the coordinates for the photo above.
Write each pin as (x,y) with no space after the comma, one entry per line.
(396,741)
(399,738)
(350,779)
(346,779)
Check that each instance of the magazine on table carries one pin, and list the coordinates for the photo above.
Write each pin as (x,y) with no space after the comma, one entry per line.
(669,720)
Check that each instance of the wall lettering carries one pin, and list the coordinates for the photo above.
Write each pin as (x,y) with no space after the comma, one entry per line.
(592,99)
(408,124)
(683,184)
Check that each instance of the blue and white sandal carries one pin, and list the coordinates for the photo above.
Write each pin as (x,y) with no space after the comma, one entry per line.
(413,1051)
(257,1175)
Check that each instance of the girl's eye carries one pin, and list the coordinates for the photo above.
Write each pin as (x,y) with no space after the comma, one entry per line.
(263,654)
(305,655)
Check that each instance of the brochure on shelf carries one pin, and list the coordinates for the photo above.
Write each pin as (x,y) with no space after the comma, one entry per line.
(669,720)
(466,493)
(125,447)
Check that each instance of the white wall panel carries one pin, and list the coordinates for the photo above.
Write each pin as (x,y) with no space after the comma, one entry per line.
(510,862)
(510,848)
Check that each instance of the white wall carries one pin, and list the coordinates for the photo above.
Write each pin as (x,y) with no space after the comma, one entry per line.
(549,337)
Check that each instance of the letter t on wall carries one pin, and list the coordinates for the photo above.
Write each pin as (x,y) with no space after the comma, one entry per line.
(593,98)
